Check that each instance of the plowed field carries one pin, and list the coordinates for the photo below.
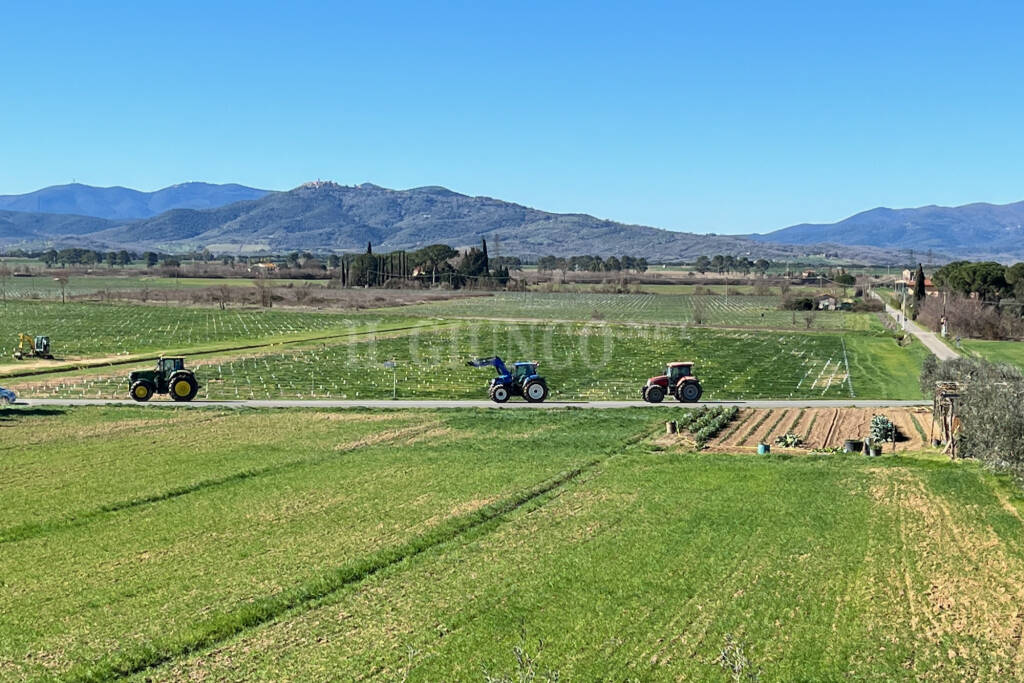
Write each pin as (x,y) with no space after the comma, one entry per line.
(821,428)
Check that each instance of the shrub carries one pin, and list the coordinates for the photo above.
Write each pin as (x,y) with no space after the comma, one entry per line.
(868,306)
(989,410)
(882,429)
(797,303)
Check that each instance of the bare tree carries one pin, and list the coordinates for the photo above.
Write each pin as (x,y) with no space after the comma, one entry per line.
(222,295)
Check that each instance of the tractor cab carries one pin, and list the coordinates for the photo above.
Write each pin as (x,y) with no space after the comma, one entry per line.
(523,371)
(677,371)
(42,346)
(168,366)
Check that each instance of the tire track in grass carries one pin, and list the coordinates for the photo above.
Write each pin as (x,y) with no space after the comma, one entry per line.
(219,627)
(32,529)
(701,619)
(113,429)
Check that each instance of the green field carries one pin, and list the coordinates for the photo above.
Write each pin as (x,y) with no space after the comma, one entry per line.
(580,362)
(315,545)
(44,287)
(996,351)
(88,330)
(714,310)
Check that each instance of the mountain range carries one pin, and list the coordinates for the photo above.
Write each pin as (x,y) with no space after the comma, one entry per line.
(977,231)
(327,217)
(122,203)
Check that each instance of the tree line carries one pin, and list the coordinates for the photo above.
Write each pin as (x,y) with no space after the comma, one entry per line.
(437,264)
(983,300)
(591,264)
(730,264)
(988,280)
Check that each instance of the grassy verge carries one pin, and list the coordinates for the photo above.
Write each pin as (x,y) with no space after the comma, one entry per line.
(1011,352)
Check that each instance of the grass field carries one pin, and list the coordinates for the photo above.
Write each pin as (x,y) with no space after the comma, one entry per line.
(580,362)
(715,310)
(46,288)
(996,351)
(314,545)
(88,330)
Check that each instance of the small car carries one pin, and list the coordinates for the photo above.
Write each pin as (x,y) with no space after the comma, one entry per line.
(7,397)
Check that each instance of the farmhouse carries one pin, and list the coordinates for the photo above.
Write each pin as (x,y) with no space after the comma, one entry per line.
(826,302)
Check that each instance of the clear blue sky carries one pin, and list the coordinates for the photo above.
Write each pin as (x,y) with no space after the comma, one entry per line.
(703,116)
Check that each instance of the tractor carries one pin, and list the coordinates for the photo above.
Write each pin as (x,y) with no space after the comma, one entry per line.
(678,380)
(523,380)
(169,377)
(32,347)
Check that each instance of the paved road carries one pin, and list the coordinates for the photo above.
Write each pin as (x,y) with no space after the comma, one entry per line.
(514,404)
(928,338)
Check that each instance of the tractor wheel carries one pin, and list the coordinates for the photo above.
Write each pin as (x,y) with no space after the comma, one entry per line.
(142,390)
(183,386)
(535,391)
(499,393)
(654,394)
(689,392)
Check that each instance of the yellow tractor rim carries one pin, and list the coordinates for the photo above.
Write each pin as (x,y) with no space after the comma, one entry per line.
(141,391)
(182,388)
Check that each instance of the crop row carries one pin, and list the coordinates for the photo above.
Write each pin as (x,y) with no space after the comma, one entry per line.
(705,423)
(78,330)
(580,362)
(716,310)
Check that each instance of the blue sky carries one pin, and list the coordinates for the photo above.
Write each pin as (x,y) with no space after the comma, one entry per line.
(711,117)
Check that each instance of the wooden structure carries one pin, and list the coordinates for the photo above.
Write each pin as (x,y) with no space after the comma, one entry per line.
(945,409)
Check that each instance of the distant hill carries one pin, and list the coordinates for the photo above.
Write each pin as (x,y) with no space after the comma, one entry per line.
(327,217)
(17,227)
(122,203)
(970,231)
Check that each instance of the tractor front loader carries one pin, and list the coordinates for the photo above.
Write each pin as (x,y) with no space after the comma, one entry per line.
(522,380)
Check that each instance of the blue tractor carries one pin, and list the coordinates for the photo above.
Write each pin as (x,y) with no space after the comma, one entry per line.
(523,380)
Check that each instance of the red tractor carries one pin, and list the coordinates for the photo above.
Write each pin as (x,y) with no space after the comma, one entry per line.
(678,380)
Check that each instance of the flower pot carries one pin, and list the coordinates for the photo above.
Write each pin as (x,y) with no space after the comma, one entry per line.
(763,449)
(852,446)
(876,451)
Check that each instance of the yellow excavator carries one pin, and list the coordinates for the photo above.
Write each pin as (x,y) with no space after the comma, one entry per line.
(32,347)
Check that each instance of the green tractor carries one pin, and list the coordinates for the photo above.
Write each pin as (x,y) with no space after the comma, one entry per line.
(169,377)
